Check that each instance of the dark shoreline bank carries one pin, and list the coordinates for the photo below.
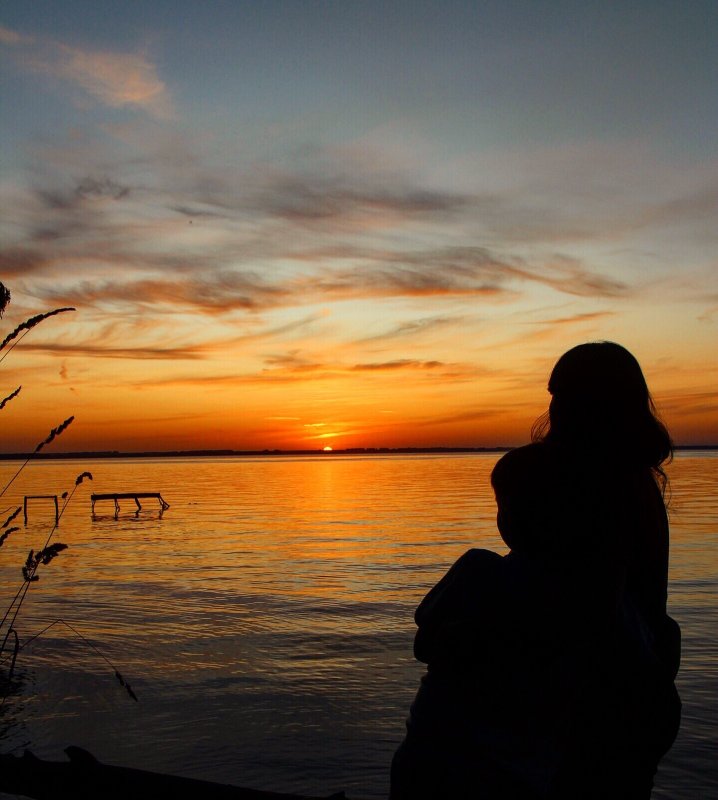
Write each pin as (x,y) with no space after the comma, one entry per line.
(353,451)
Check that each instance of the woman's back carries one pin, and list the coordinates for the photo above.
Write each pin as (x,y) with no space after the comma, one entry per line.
(602,421)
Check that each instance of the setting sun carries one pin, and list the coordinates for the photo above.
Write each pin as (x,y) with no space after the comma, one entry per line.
(328,449)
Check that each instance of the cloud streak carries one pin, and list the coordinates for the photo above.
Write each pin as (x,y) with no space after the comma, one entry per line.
(339,196)
(10,37)
(292,369)
(101,351)
(461,271)
(577,319)
(412,328)
(221,292)
(398,364)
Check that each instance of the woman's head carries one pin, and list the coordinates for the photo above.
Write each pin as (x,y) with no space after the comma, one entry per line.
(600,404)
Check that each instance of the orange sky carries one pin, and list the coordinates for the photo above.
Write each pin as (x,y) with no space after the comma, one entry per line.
(457,388)
(348,228)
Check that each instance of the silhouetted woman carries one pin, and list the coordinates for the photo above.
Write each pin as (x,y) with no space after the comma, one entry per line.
(550,671)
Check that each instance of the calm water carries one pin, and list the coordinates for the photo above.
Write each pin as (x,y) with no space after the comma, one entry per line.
(265,621)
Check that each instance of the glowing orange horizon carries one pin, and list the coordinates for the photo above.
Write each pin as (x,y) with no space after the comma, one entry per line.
(129,423)
(129,391)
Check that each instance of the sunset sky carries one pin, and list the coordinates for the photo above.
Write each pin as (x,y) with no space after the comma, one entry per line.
(351,224)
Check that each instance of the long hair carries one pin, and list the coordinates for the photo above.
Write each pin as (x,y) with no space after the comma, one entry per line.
(601,409)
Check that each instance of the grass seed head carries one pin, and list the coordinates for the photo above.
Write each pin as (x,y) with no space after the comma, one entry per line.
(54,433)
(30,323)
(11,517)
(4,298)
(46,555)
(4,402)
(6,534)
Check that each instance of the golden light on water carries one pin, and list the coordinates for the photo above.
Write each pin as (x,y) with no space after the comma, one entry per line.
(285,571)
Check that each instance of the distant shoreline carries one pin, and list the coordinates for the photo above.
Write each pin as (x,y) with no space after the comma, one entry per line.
(352,451)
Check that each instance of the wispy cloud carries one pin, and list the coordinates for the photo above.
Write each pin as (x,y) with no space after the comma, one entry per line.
(401,363)
(576,319)
(332,194)
(690,403)
(413,327)
(709,314)
(461,270)
(10,37)
(451,272)
(115,79)
(697,206)
(101,351)
(471,415)
(294,369)
(222,291)
(290,360)
(157,339)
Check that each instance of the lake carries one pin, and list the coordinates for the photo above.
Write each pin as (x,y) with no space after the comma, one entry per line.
(265,620)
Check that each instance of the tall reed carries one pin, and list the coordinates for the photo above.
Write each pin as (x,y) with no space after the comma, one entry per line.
(48,552)
(34,559)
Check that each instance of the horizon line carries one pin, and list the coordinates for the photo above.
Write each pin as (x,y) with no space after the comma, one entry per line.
(219,452)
